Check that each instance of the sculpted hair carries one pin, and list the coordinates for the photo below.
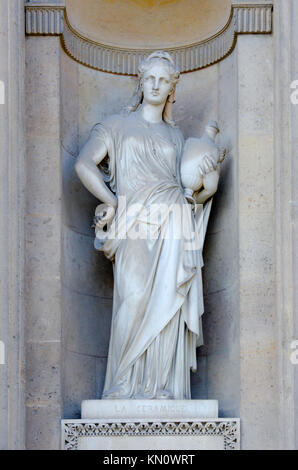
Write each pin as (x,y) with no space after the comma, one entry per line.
(145,65)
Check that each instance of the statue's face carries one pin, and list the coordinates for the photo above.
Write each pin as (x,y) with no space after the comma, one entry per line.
(157,84)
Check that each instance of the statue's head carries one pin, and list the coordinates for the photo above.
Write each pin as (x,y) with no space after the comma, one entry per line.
(157,79)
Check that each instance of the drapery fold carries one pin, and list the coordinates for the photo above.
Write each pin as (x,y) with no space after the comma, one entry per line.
(158,300)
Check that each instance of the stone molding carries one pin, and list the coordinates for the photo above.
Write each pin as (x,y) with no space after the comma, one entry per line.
(253,19)
(229,429)
(53,20)
(44,19)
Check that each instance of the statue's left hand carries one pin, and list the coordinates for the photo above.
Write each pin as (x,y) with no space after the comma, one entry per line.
(209,164)
(222,154)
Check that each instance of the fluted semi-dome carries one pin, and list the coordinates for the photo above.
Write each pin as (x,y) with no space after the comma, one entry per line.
(148,23)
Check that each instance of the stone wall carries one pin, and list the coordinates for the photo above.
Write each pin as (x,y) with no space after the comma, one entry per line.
(250,273)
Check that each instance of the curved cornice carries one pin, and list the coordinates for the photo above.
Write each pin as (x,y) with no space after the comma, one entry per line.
(52,20)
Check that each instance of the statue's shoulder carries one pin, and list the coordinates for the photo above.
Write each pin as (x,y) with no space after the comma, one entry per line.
(109,123)
(177,135)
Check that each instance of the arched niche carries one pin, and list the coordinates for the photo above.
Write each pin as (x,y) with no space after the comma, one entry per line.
(88,96)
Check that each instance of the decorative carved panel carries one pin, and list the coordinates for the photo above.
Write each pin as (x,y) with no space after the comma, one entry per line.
(227,429)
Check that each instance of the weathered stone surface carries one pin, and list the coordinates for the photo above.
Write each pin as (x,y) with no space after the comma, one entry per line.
(78,204)
(42,427)
(80,385)
(70,103)
(196,104)
(43,296)
(80,311)
(12,211)
(256,244)
(43,244)
(100,95)
(86,270)
(43,373)
(43,175)
(285,217)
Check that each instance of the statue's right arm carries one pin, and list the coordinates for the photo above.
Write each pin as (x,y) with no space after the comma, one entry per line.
(93,152)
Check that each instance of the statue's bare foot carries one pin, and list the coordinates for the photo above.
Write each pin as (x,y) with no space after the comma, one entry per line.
(115,393)
(143,396)
(164,395)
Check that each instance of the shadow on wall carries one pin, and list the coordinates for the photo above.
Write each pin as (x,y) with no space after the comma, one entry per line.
(87,274)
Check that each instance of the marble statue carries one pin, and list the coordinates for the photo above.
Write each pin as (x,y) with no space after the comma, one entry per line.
(153,234)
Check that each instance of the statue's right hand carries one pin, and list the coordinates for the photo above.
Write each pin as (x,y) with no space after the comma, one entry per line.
(104,214)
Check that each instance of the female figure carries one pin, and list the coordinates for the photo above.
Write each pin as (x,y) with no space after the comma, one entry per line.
(158,301)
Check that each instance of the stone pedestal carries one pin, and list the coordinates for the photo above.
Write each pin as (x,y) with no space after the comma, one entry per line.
(149,409)
(150,425)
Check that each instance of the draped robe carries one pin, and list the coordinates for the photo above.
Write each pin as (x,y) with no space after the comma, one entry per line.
(157,300)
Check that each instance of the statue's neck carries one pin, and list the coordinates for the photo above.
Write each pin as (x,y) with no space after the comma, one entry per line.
(152,113)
